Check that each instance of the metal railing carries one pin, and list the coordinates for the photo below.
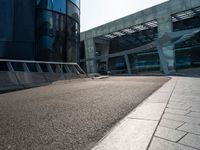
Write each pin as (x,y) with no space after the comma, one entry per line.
(39,66)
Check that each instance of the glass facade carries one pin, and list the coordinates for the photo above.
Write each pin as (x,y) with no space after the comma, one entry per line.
(148,61)
(187,52)
(57,30)
(55,5)
(73,11)
(50,39)
(76,2)
(45,30)
(17,29)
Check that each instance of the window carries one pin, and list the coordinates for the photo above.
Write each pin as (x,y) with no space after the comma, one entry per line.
(73,11)
(73,31)
(55,5)
(45,4)
(59,6)
(51,28)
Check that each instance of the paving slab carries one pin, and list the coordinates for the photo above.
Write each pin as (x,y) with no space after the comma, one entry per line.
(131,134)
(190,128)
(170,123)
(158,99)
(179,106)
(169,134)
(194,114)
(195,109)
(148,111)
(161,144)
(181,118)
(182,114)
(191,140)
(176,111)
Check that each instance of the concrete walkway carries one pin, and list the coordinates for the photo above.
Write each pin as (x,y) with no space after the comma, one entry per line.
(168,120)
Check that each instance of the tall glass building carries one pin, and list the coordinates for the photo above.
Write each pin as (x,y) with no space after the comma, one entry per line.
(45,30)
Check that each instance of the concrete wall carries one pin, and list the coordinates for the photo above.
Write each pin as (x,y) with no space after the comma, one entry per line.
(19,80)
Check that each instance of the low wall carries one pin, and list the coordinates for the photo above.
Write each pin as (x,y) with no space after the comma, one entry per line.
(51,77)
(10,81)
(31,79)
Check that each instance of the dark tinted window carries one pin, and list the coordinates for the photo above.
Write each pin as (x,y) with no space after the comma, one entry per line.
(56,5)
(73,11)
(73,31)
(59,6)
(7,19)
(45,4)
(50,35)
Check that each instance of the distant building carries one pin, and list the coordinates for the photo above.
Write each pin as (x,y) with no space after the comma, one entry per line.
(124,45)
(45,30)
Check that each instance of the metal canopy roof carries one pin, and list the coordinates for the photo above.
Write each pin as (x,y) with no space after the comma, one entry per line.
(133,29)
(186,14)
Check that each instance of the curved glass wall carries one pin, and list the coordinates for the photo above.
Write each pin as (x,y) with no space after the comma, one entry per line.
(76,2)
(73,11)
(57,30)
(55,5)
(50,37)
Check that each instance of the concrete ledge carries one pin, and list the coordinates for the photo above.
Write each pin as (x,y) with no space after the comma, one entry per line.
(72,76)
(136,130)
(10,81)
(8,78)
(51,77)
(30,78)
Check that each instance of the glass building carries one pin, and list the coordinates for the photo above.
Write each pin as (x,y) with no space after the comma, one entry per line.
(45,30)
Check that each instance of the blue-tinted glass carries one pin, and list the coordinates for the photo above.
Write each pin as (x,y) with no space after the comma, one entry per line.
(56,5)
(76,2)
(45,4)
(50,38)
(37,1)
(59,6)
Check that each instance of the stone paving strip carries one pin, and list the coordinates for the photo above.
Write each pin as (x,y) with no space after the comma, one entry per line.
(179,128)
(168,120)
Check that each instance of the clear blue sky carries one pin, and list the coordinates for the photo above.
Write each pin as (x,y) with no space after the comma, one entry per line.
(98,12)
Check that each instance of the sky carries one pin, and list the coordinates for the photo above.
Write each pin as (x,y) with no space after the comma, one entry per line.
(97,12)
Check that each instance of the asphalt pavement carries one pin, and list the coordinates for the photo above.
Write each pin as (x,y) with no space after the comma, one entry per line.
(72,115)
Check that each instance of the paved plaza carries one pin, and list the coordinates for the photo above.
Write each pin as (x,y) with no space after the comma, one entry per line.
(69,115)
(101,114)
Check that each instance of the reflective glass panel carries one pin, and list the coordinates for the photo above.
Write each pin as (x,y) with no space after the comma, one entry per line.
(76,2)
(45,4)
(73,11)
(51,28)
(59,6)
(73,31)
(56,5)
